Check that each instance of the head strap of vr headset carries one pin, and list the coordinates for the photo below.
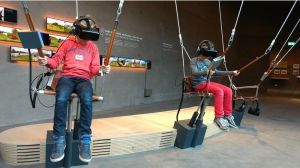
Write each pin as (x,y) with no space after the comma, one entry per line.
(88,31)
(87,19)
(206,48)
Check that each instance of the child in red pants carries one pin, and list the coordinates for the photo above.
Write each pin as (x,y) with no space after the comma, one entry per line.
(223,94)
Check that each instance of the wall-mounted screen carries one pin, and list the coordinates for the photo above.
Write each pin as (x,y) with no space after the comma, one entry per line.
(52,40)
(129,62)
(21,54)
(9,34)
(46,38)
(58,25)
(8,15)
(56,40)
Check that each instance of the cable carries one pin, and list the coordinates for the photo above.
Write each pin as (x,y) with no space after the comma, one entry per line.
(221,25)
(180,40)
(273,63)
(268,50)
(230,39)
(287,40)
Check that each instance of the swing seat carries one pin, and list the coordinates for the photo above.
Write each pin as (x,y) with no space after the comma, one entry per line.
(73,95)
(188,89)
(249,98)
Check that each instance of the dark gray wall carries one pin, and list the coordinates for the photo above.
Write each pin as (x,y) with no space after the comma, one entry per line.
(155,23)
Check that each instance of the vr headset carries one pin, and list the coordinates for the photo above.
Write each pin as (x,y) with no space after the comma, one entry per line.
(85,28)
(209,53)
(206,48)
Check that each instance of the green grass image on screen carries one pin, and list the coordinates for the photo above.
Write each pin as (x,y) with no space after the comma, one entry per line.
(7,36)
(55,27)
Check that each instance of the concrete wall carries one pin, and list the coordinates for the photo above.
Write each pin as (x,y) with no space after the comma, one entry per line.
(121,88)
(155,23)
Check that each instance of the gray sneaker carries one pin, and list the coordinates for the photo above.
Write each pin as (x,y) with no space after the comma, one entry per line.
(222,124)
(231,122)
(58,149)
(85,153)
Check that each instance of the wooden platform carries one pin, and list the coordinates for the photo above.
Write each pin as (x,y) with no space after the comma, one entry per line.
(111,136)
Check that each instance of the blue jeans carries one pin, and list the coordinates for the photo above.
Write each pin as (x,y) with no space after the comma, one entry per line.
(65,87)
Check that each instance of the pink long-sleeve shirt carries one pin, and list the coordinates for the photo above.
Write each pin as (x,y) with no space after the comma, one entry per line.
(79,60)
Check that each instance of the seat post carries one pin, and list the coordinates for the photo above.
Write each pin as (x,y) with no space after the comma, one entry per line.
(69,122)
(69,136)
(76,121)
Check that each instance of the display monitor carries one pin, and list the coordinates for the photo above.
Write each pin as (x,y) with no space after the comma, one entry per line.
(56,40)
(58,25)
(21,54)
(45,38)
(129,62)
(8,15)
(9,34)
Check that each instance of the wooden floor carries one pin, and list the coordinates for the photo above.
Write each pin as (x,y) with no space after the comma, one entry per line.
(111,136)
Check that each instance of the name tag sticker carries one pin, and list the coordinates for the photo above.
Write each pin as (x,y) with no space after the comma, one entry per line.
(79,57)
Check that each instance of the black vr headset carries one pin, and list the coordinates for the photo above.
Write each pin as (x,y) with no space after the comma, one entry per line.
(206,48)
(85,28)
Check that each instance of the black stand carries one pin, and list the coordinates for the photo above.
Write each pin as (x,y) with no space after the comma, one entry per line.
(72,141)
(187,134)
(239,113)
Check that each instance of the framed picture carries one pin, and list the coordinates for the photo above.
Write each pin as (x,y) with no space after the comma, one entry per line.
(296,72)
(8,15)
(58,25)
(283,72)
(129,62)
(276,72)
(21,54)
(9,34)
(295,66)
(56,40)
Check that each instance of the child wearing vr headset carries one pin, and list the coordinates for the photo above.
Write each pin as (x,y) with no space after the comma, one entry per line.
(201,71)
(80,58)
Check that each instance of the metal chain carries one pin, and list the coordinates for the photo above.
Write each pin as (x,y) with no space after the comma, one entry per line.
(233,30)
(230,39)
(181,42)
(119,11)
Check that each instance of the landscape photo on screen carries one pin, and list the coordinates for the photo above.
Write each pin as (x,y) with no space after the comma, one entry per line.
(9,34)
(68,27)
(21,54)
(55,25)
(56,40)
(128,62)
(58,25)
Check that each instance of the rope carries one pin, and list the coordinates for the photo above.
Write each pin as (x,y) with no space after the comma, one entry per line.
(183,49)
(236,21)
(76,2)
(286,53)
(230,39)
(286,40)
(180,40)
(273,41)
(274,64)
(221,25)
(268,50)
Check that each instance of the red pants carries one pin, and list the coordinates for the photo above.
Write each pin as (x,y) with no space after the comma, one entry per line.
(223,98)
